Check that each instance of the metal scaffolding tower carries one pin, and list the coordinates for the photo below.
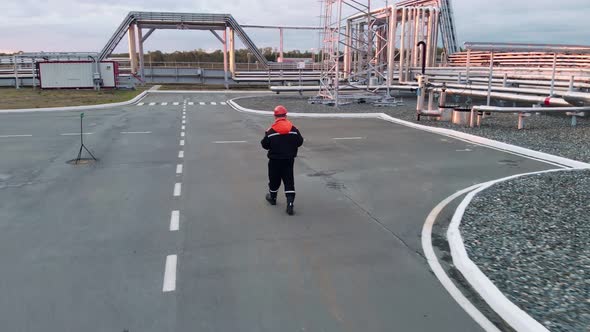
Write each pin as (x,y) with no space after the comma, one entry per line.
(364,48)
(340,35)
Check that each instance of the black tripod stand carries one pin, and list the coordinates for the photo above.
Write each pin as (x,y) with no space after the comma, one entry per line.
(82,146)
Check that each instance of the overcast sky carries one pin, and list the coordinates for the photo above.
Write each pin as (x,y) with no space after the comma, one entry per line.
(86,25)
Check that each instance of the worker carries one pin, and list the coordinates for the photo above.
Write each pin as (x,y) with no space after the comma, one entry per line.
(282,140)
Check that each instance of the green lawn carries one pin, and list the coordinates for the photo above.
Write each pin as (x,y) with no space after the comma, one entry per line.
(11,98)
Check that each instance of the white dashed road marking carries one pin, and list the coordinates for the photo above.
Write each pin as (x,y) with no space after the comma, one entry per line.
(175,103)
(174,221)
(182,127)
(191,103)
(223,103)
(229,142)
(202,103)
(177,189)
(179,169)
(347,138)
(170,274)
(136,132)
(164,104)
(180,154)
(182,134)
(140,104)
(75,134)
(213,103)
(9,136)
(183,121)
(152,104)
(181,142)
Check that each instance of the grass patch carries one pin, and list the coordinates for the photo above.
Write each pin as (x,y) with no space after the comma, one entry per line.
(11,98)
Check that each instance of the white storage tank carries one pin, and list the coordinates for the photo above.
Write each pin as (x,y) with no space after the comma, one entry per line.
(76,74)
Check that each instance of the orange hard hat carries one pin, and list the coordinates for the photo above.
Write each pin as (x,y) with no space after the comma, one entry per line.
(280,110)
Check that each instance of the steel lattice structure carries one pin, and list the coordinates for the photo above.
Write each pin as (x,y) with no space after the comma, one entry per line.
(369,47)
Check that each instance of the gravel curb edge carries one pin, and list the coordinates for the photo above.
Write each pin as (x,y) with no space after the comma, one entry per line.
(511,313)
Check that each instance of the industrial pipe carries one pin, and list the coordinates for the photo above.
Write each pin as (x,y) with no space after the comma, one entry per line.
(423,44)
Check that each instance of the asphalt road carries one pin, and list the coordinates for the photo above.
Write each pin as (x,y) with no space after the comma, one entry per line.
(85,248)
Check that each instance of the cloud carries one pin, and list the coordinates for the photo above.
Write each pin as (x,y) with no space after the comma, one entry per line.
(86,25)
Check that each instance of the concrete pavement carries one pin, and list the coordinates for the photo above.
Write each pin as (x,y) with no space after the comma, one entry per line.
(84,248)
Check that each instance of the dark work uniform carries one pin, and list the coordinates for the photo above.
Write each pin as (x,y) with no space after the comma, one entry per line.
(282,141)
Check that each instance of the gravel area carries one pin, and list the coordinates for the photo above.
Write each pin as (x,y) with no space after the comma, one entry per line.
(531,237)
(550,134)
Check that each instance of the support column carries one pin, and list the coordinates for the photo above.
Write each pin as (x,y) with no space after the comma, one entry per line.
(436,28)
(378,46)
(553,75)
(347,53)
(132,48)
(141,60)
(402,49)
(16,82)
(225,78)
(281,44)
(232,52)
(391,45)
(490,78)
(468,64)
(410,47)
(416,27)
(429,21)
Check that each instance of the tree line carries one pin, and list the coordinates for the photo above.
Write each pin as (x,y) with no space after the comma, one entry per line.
(200,55)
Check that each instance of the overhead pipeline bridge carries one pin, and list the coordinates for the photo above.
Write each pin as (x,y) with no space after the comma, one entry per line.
(180,21)
(135,22)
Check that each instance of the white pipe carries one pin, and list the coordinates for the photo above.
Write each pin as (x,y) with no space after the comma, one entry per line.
(429,38)
(140,48)
(490,78)
(16,83)
(530,109)
(411,37)
(553,74)
(132,48)
(510,96)
(391,45)
(468,65)
(416,26)
(347,55)
(402,49)
(442,100)
(436,29)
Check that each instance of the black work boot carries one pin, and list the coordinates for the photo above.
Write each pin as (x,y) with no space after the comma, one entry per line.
(290,201)
(271,198)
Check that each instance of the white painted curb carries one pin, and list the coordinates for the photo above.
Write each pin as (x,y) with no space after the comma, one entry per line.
(124,103)
(209,91)
(438,270)
(79,108)
(512,314)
